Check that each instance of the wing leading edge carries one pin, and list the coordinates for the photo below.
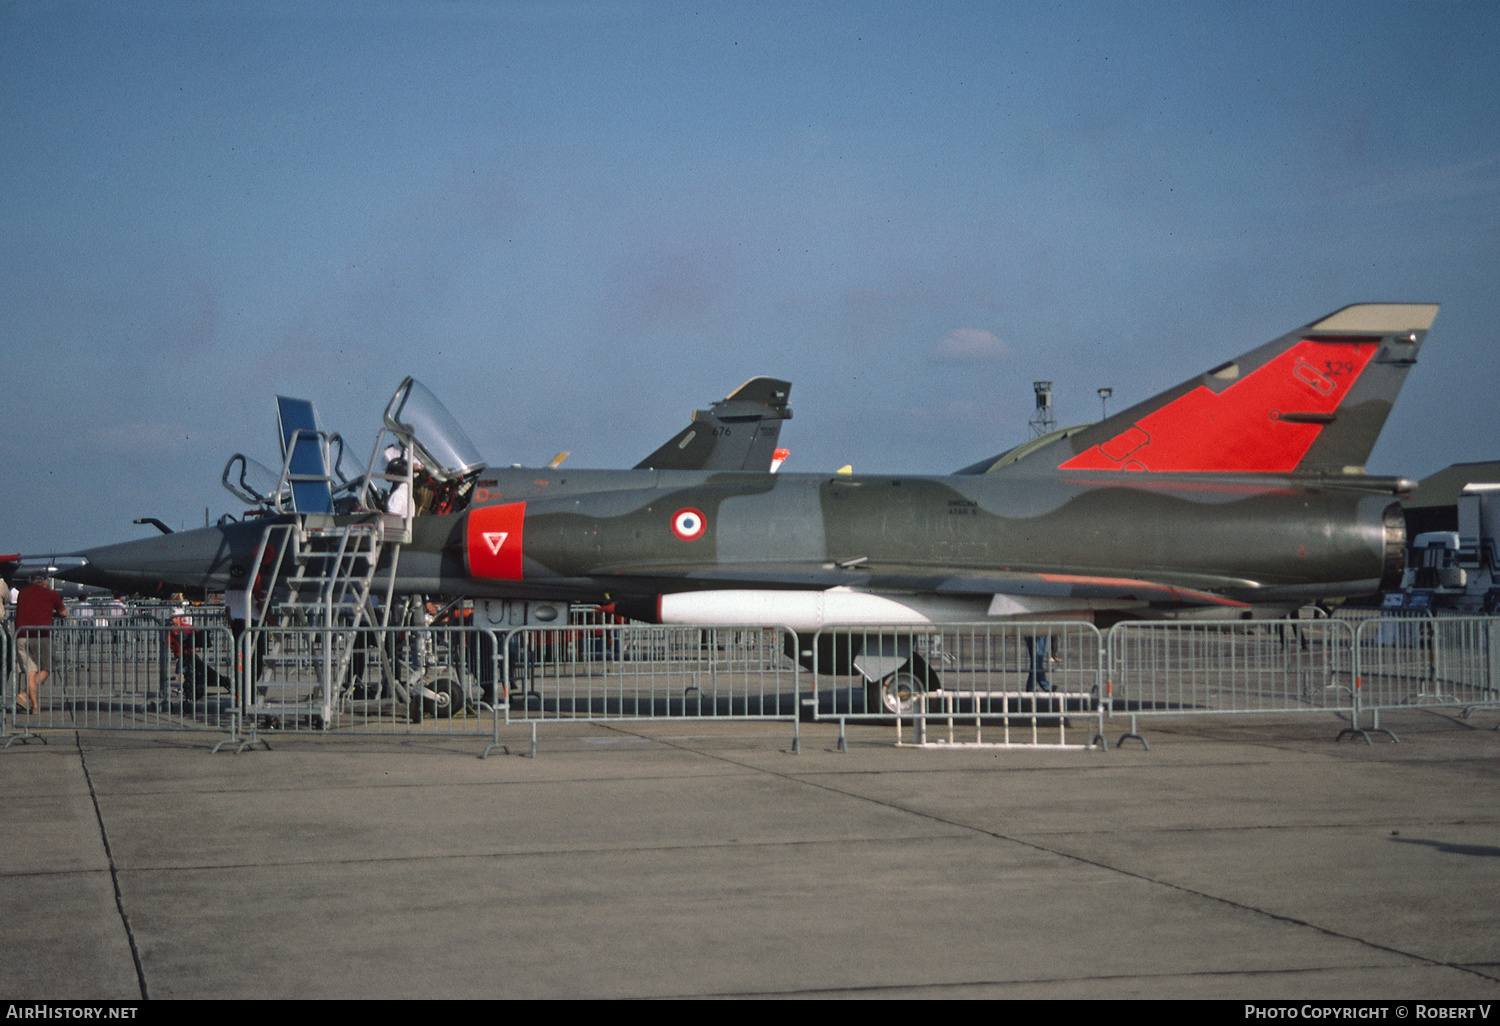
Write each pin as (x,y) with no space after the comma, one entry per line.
(806,597)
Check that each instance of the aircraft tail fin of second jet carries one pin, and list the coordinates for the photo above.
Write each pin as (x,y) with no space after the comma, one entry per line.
(738,432)
(1311,402)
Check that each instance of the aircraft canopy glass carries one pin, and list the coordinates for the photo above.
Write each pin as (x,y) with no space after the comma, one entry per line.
(441,444)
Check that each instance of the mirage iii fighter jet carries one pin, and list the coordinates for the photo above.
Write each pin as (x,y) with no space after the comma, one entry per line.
(1238,491)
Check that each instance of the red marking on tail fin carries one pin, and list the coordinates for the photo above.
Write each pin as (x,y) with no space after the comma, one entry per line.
(1243,427)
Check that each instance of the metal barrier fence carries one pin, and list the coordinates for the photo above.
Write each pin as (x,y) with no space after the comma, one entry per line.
(372,680)
(636,671)
(951,682)
(1255,666)
(1359,614)
(447,680)
(1428,661)
(1004,683)
(7,680)
(122,677)
(176,677)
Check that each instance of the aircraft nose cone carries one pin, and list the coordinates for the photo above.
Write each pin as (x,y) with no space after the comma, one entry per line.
(79,570)
(123,567)
(173,562)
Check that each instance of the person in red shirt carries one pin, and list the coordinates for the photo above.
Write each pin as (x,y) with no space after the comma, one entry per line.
(36,605)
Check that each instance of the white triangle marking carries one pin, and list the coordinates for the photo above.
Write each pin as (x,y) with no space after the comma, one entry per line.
(495,539)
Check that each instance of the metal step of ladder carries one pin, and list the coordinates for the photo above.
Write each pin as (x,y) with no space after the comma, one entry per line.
(334,567)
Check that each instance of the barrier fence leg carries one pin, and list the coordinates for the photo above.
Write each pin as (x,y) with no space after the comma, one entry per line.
(1133,732)
(506,748)
(1354,729)
(1376,728)
(242,676)
(17,731)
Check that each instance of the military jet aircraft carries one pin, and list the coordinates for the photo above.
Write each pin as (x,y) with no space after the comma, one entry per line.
(1239,491)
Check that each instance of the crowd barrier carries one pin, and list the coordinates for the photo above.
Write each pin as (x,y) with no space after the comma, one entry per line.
(998,683)
(1428,661)
(449,680)
(1006,684)
(121,677)
(443,679)
(1161,668)
(637,671)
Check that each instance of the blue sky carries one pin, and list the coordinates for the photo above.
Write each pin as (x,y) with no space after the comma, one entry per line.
(575,222)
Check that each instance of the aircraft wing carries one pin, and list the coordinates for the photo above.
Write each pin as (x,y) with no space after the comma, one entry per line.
(946,581)
(1087,586)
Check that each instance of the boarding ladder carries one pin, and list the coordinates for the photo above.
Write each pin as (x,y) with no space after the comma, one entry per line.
(320,574)
(316,573)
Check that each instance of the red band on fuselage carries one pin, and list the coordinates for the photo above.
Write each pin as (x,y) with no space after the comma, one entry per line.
(493,543)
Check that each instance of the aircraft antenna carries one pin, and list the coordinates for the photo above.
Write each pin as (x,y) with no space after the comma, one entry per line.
(1042,421)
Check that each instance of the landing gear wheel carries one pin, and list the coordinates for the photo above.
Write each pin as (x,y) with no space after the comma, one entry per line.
(447,699)
(896,694)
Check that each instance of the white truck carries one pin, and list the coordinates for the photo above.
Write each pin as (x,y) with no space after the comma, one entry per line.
(1460,569)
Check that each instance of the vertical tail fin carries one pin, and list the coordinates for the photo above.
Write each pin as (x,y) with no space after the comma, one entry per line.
(738,432)
(1312,401)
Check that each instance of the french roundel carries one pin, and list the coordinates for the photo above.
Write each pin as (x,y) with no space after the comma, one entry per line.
(688,524)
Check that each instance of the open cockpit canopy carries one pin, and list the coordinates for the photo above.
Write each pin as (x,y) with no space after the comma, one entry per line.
(423,461)
(416,415)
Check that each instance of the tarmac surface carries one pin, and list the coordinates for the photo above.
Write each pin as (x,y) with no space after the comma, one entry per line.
(1250,858)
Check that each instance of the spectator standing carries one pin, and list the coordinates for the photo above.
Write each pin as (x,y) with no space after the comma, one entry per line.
(36,606)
